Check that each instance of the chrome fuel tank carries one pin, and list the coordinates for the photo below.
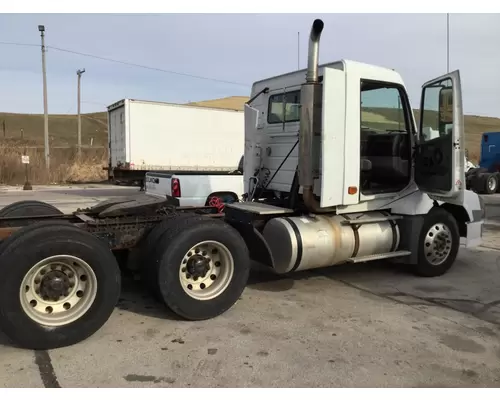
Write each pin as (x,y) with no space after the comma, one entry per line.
(307,242)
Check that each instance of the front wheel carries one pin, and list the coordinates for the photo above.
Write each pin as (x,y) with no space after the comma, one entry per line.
(438,244)
(204,268)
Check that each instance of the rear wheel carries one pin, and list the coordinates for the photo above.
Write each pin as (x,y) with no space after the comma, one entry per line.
(59,285)
(151,250)
(491,184)
(438,244)
(203,269)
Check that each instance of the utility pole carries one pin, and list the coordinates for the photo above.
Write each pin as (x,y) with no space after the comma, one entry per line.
(447,43)
(79,73)
(41,28)
(298,50)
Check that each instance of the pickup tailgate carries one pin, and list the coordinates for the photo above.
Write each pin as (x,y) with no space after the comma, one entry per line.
(158,184)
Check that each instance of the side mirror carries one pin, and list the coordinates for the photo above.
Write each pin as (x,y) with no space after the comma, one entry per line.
(446,106)
(366,165)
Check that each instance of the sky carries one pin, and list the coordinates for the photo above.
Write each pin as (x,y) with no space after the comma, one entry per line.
(236,48)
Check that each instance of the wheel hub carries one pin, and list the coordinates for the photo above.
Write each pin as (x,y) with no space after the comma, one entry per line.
(198,266)
(491,184)
(58,290)
(438,244)
(206,270)
(54,285)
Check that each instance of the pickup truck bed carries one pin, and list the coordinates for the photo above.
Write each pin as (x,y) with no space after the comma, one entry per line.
(195,190)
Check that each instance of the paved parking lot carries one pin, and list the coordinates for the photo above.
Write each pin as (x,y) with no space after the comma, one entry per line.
(356,326)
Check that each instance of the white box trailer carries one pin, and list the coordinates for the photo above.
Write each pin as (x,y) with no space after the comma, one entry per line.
(175,138)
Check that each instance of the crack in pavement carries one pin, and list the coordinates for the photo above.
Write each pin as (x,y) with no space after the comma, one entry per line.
(46,369)
(437,301)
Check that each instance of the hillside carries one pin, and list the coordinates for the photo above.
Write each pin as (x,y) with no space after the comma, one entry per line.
(63,128)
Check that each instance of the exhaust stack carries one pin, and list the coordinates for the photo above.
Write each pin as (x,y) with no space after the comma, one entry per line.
(309,95)
(313,51)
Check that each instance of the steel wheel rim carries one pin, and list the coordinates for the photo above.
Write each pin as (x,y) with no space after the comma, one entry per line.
(58,290)
(206,270)
(437,244)
(491,184)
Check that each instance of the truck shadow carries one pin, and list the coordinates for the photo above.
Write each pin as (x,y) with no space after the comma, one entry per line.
(4,340)
(136,299)
(391,281)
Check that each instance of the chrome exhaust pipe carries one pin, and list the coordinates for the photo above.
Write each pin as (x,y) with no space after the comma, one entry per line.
(313,52)
(310,96)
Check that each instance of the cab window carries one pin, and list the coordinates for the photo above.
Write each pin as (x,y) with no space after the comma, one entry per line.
(284,107)
(385,138)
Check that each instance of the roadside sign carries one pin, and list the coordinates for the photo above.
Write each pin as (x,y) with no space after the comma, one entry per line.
(25,159)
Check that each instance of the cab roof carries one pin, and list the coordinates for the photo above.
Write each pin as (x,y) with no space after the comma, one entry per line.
(296,78)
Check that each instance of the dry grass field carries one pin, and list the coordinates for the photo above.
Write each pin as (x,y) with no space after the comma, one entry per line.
(65,165)
(24,133)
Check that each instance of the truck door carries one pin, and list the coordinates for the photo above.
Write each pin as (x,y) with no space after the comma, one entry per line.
(439,151)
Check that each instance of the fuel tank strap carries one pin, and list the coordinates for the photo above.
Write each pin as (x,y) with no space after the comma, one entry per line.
(356,236)
(298,236)
(394,227)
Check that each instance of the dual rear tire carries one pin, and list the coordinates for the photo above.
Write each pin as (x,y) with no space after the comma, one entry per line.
(59,285)
(196,265)
(65,288)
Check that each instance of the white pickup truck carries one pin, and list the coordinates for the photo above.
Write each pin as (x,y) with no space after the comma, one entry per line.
(196,190)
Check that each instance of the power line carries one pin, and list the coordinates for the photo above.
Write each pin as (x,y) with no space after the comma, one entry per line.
(129,63)
(21,44)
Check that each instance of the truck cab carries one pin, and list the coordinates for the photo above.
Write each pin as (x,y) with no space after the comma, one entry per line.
(344,144)
(364,145)
(490,151)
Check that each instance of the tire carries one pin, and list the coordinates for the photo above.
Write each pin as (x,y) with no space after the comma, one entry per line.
(490,184)
(478,183)
(86,314)
(497,175)
(227,280)
(449,237)
(150,252)
(27,208)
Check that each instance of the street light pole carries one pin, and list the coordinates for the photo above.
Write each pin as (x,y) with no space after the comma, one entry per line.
(41,28)
(79,73)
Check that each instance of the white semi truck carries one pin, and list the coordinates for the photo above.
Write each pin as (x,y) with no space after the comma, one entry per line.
(336,170)
(148,136)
